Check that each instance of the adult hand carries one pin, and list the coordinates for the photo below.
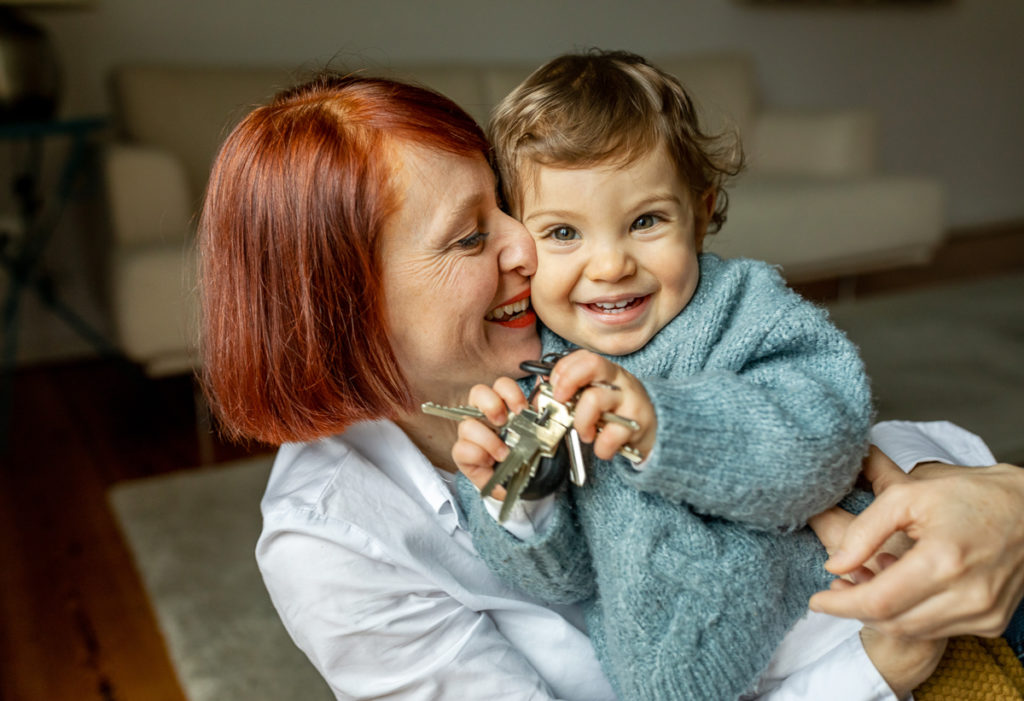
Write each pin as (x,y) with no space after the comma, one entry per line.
(965,572)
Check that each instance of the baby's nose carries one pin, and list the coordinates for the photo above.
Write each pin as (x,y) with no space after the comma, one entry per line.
(610,264)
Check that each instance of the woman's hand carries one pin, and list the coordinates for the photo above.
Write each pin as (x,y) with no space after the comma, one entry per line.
(965,572)
(605,387)
(478,447)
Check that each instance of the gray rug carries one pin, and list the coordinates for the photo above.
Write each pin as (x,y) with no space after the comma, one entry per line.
(947,353)
(192,534)
(953,352)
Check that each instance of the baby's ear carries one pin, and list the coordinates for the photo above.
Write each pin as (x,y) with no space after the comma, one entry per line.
(704,210)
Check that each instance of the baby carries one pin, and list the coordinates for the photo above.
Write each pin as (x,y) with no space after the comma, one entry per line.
(753,409)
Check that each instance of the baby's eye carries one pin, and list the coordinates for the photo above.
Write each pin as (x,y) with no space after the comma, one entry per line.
(644,221)
(563,233)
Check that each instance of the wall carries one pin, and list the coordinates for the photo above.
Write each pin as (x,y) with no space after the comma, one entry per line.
(944,79)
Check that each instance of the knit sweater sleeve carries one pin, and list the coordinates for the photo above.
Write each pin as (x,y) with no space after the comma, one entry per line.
(770,430)
(554,566)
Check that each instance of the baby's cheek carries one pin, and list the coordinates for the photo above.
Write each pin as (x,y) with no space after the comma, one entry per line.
(547,287)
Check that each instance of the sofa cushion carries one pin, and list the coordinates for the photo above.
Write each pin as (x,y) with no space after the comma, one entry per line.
(188,110)
(826,144)
(148,194)
(815,227)
(155,305)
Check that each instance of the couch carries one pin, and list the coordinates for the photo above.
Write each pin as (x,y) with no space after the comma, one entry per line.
(813,199)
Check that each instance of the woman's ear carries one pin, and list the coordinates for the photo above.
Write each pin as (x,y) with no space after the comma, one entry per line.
(705,209)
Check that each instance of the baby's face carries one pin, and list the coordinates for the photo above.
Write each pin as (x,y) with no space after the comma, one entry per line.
(616,250)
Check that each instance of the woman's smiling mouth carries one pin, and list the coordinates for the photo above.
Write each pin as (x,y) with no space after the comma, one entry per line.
(515,313)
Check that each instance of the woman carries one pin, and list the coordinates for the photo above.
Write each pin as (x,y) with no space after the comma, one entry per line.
(355,262)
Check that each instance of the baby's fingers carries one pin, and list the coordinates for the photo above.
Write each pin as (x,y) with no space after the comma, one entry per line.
(476,451)
(510,393)
(490,403)
(580,369)
(610,439)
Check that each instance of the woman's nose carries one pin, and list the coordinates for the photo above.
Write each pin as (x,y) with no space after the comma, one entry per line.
(610,263)
(517,253)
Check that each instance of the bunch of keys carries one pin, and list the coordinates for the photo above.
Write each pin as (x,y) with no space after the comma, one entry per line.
(545,448)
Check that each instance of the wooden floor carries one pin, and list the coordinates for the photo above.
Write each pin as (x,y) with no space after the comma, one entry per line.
(74,621)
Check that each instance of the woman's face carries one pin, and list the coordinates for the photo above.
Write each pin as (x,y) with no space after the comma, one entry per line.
(456,278)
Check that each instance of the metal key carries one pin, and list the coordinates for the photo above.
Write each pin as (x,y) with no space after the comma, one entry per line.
(577,463)
(526,438)
(534,437)
(544,368)
(530,435)
(455,413)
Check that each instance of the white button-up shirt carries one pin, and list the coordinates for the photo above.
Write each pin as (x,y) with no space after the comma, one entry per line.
(377,581)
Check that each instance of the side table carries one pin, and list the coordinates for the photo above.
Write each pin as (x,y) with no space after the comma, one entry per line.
(39,213)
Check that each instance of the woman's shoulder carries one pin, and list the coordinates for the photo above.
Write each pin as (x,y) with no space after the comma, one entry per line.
(303,471)
(369,483)
(330,479)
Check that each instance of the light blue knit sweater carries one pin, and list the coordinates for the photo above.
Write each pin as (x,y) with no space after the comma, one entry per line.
(691,571)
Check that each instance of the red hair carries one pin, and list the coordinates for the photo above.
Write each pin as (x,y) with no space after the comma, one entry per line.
(295,340)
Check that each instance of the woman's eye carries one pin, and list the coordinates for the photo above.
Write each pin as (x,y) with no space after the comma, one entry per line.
(474,240)
(644,221)
(563,233)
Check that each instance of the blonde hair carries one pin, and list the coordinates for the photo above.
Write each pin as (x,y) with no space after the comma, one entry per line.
(599,107)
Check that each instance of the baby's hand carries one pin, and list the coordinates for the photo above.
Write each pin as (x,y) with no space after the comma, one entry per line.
(904,663)
(478,447)
(606,387)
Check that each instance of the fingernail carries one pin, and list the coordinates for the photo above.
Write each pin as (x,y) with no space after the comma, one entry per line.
(834,556)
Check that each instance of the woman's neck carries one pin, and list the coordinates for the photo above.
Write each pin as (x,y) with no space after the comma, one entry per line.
(434,437)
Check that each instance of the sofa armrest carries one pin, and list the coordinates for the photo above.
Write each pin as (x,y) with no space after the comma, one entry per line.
(148,194)
(827,144)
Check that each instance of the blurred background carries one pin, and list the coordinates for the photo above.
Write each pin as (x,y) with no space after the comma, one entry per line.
(941,81)
(940,77)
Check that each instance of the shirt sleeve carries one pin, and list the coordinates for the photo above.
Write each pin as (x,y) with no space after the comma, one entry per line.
(909,443)
(528,518)
(845,673)
(374,629)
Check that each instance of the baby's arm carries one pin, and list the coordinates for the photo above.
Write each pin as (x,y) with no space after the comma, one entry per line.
(770,441)
(553,566)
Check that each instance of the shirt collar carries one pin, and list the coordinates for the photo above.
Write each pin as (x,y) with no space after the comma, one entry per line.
(394,454)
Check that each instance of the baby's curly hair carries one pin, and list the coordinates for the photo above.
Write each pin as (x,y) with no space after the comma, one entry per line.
(599,107)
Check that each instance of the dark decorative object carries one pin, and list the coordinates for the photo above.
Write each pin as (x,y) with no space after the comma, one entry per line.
(29,72)
(845,3)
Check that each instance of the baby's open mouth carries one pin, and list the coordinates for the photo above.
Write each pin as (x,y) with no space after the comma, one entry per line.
(619,307)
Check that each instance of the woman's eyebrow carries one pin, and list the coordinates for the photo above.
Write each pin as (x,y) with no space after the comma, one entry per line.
(463,207)
(453,221)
